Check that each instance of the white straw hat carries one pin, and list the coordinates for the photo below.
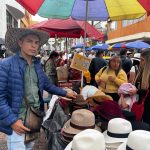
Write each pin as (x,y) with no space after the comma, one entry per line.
(136,56)
(117,131)
(137,140)
(88,139)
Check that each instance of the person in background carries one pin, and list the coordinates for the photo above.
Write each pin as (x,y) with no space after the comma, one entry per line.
(50,67)
(142,83)
(96,64)
(126,62)
(135,68)
(92,54)
(22,77)
(110,78)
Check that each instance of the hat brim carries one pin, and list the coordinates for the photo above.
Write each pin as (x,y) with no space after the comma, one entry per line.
(14,34)
(109,139)
(69,146)
(136,59)
(70,130)
(94,100)
(122,146)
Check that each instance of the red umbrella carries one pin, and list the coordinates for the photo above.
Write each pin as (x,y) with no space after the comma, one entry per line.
(146,5)
(68,28)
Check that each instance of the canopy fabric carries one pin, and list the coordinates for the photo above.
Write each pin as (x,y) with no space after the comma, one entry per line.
(68,28)
(146,5)
(31,6)
(100,46)
(97,9)
(137,45)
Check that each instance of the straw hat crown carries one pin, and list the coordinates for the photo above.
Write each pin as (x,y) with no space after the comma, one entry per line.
(88,139)
(118,130)
(83,117)
(137,140)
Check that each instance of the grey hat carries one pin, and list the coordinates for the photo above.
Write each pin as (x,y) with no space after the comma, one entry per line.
(13,35)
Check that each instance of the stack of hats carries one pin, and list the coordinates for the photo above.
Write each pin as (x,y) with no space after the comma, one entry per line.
(78,103)
(94,96)
(81,119)
(117,132)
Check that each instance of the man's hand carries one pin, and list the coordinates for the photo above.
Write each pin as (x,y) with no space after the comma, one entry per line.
(19,128)
(71,94)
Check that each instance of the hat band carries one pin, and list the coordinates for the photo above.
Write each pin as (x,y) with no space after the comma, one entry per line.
(81,127)
(116,135)
(128,148)
(136,58)
(96,102)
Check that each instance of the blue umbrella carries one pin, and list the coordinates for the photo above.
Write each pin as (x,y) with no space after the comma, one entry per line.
(79,45)
(137,44)
(88,49)
(100,46)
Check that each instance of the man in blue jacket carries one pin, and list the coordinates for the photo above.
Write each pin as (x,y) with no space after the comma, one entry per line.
(22,77)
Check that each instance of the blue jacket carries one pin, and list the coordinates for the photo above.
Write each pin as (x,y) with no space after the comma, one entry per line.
(12,89)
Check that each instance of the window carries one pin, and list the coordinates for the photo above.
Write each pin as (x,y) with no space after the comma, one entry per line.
(113,26)
(129,22)
(11,21)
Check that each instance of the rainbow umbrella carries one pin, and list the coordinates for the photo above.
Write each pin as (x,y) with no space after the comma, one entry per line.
(86,9)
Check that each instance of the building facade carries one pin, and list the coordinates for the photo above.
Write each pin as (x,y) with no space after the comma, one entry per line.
(129,30)
(11,14)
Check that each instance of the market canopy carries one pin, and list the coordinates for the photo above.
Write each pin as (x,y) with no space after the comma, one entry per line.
(96,9)
(68,28)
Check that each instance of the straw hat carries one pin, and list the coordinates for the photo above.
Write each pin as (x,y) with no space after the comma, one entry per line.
(88,139)
(117,131)
(137,140)
(13,35)
(79,100)
(136,56)
(88,91)
(98,97)
(81,119)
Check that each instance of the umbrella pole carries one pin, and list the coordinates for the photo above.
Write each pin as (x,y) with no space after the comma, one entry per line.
(86,14)
(66,48)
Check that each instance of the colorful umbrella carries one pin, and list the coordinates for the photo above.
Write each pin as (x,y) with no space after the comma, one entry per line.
(137,45)
(86,9)
(117,46)
(68,28)
(146,5)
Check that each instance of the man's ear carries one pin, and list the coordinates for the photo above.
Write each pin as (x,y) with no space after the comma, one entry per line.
(19,43)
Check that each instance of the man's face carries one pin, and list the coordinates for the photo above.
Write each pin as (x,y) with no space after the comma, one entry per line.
(29,45)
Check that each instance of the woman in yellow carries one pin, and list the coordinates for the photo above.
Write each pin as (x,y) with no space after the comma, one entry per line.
(110,78)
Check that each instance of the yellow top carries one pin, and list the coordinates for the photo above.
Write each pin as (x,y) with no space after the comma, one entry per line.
(110,86)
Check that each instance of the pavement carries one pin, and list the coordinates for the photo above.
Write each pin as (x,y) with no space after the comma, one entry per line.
(40,143)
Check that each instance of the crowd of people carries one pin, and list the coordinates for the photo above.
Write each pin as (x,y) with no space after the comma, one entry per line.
(96,116)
